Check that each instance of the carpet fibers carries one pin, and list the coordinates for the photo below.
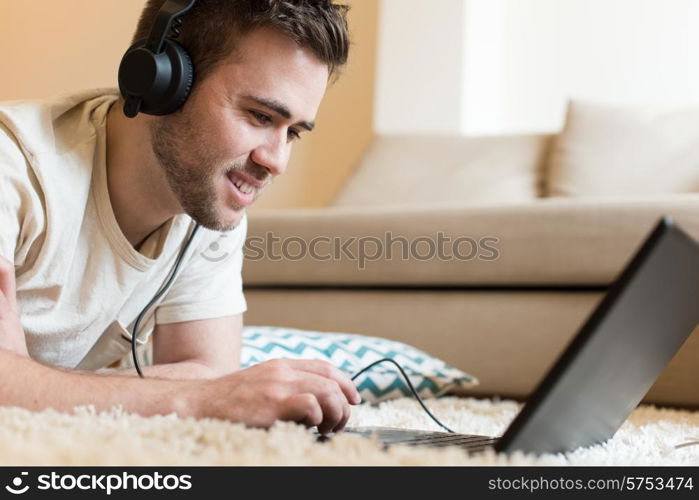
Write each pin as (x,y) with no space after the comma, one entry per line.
(648,437)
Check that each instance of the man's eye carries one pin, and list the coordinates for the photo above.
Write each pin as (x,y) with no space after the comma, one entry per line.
(260,117)
(263,119)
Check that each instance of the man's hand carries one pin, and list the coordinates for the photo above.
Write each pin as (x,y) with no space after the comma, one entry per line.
(11,333)
(308,392)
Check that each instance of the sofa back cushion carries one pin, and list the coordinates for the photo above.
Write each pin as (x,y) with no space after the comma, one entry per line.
(425,169)
(606,151)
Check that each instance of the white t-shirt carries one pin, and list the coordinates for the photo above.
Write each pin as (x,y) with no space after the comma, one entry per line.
(79,280)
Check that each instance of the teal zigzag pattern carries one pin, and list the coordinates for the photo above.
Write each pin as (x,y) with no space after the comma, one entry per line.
(350,353)
(302,348)
(328,350)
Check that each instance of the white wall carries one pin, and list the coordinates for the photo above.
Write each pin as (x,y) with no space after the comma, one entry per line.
(482,68)
(419,59)
(618,51)
(521,60)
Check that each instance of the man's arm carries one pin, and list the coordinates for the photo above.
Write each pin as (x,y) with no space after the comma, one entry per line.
(28,384)
(312,393)
(308,392)
(194,349)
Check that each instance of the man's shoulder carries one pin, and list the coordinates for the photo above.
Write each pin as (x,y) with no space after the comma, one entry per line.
(49,125)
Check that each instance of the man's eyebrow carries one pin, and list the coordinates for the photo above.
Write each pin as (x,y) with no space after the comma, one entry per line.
(280,109)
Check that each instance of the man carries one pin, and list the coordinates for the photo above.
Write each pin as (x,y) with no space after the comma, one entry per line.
(95,207)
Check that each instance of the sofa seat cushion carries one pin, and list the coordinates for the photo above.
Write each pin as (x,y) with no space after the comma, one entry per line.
(550,242)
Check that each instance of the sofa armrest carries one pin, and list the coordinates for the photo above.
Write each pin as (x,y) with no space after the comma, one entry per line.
(550,243)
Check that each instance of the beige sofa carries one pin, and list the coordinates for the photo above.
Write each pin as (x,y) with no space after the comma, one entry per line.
(503,319)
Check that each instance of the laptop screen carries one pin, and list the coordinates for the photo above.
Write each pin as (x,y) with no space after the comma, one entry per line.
(610,365)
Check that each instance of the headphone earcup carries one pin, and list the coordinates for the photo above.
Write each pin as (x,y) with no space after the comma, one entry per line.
(161,81)
(187,76)
(181,79)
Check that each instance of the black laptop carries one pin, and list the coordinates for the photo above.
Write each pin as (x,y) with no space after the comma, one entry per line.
(604,373)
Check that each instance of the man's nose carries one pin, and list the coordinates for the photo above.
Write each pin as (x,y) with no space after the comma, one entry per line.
(273,155)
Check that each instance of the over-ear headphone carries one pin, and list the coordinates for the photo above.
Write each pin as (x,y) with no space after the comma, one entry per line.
(156,73)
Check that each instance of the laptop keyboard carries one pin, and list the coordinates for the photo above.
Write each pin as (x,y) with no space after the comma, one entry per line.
(403,437)
(440,440)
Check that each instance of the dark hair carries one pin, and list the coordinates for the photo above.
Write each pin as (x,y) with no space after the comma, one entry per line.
(211,28)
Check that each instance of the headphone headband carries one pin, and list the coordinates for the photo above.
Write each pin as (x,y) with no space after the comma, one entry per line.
(155,74)
(170,10)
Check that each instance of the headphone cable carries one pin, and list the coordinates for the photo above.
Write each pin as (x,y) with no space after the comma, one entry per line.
(405,376)
(163,289)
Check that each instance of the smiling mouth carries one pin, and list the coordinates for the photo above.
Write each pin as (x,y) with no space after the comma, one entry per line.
(242,192)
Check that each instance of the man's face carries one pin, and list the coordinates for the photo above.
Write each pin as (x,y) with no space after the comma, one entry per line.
(234,134)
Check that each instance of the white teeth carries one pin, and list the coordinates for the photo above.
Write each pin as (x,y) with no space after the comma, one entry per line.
(243,187)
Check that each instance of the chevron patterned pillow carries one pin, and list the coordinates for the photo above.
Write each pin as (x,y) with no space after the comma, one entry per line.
(430,376)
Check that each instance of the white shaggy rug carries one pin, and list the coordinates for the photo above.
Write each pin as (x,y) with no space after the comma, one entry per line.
(649,437)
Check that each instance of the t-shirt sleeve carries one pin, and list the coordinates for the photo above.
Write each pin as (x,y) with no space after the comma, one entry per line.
(18,200)
(211,284)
